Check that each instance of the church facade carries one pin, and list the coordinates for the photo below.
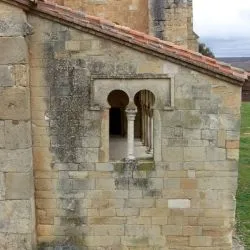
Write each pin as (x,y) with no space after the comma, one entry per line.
(111,138)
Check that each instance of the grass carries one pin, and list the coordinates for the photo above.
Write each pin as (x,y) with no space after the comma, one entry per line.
(243,193)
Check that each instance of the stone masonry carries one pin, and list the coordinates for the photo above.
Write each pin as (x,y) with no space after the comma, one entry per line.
(17,221)
(170,20)
(53,133)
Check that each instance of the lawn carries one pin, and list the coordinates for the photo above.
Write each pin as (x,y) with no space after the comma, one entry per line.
(243,193)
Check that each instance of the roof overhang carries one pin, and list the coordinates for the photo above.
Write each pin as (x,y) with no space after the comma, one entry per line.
(133,39)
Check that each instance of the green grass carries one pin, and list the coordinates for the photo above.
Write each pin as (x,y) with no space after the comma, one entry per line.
(243,193)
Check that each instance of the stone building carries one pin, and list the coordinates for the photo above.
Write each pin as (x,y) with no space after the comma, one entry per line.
(169,20)
(111,138)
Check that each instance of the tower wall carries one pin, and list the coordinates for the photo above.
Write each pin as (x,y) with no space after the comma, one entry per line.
(131,13)
(170,20)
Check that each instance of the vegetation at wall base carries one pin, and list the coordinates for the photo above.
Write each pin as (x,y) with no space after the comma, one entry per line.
(243,193)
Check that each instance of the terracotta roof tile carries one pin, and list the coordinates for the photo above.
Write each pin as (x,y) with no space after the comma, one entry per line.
(134,37)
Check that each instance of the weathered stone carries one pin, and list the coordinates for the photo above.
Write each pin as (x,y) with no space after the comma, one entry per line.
(73,45)
(2,186)
(16,160)
(15,216)
(12,22)
(194,154)
(2,139)
(192,119)
(230,122)
(13,241)
(200,241)
(179,203)
(104,167)
(208,134)
(215,154)
(22,75)
(14,104)
(7,77)
(18,186)
(173,154)
(17,134)
(14,50)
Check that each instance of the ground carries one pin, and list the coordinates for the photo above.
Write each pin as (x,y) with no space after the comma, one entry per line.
(243,194)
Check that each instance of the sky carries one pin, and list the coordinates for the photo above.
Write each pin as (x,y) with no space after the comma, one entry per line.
(224,25)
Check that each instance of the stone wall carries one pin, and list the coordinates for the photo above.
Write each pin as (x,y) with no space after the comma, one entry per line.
(16,169)
(131,13)
(172,20)
(168,20)
(184,199)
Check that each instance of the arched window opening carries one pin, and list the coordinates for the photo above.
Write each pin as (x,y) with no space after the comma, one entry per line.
(118,100)
(144,101)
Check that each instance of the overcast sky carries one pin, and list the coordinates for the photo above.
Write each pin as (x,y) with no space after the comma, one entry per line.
(224,25)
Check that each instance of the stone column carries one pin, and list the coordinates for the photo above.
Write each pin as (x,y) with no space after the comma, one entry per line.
(151,132)
(104,147)
(131,113)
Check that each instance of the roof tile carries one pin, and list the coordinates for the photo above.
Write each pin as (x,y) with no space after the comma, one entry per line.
(134,37)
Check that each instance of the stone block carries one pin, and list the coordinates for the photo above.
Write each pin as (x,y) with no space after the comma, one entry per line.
(218,183)
(91,142)
(17,134)
(134,220)
(179,242)
(159,220)
(192,230)
(12,22)
(179,203)
(2,186)
(22,75)
(14,104)
(19,186)
(233,154)
(140,203)
(191,119)
(2,139)
(191,174)
(232,144)
(208,134)
(7,77)
(172,154)
(102,230)
(127,212)
(9,241)
(172,230)
(105,184)
(188,184)
(194,134)
(73,46)
(183,104)
(215,154)
(159,211)
(16,160)
(15,216)
(104,167)
(172,119)
(77,174)
(221,138)
(14,50)
(142,230)
(87,155)
(194,154)
(200,241)
(229,122)
(172,183)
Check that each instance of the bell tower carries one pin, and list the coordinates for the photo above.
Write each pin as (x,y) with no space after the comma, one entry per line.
(172,20)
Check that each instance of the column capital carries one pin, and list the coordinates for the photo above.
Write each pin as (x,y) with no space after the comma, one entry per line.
(131,113)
